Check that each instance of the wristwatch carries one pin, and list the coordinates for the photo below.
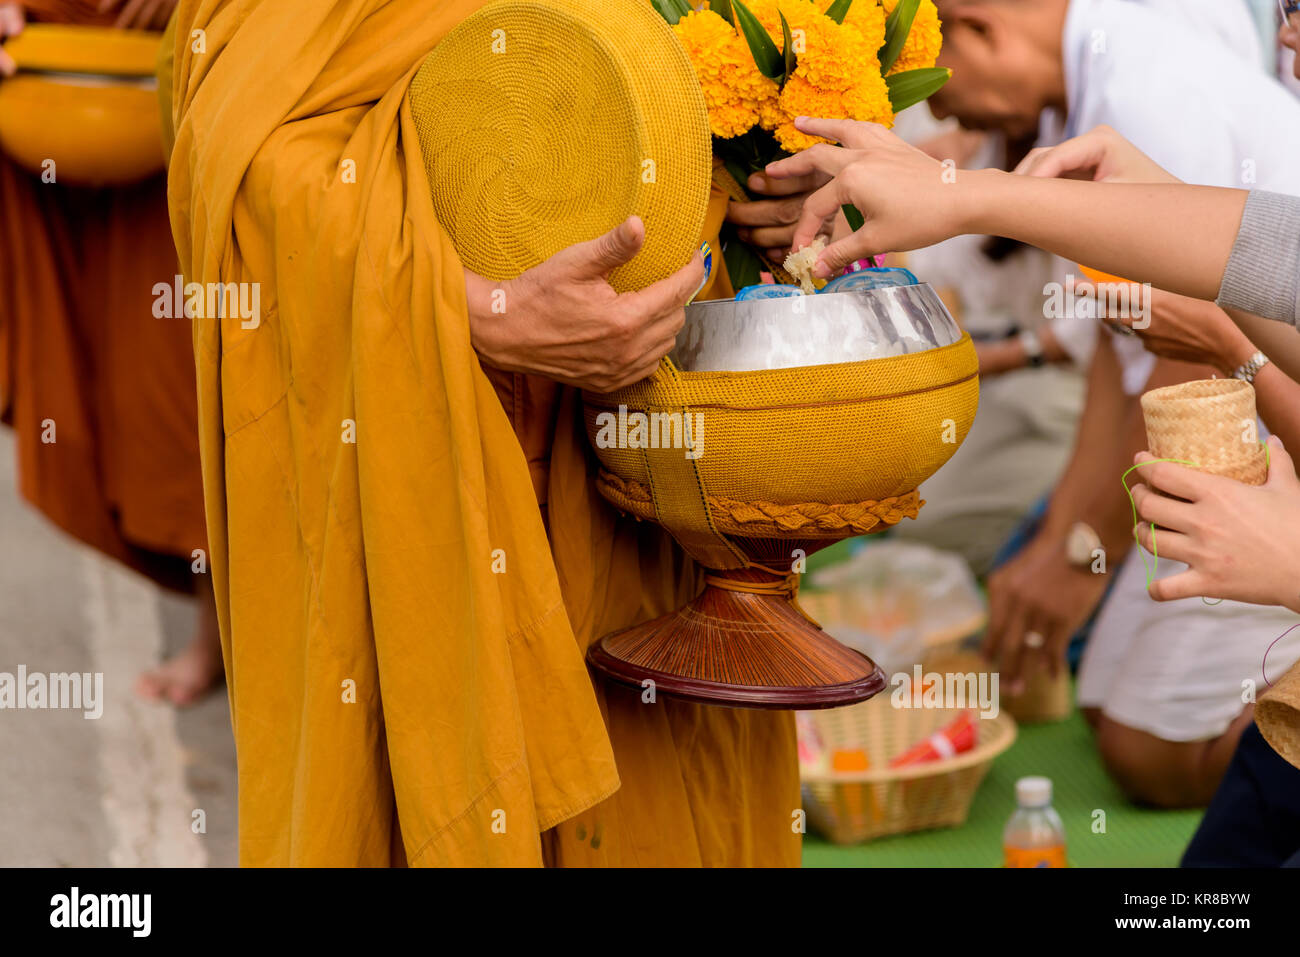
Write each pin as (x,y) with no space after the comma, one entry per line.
(1247,371)
(1080,544)
(1033,347)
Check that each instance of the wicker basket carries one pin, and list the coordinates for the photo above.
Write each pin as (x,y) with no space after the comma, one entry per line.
(1210,422)
(851,807)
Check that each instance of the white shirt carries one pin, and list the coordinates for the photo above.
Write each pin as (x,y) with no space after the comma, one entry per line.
(1167,75)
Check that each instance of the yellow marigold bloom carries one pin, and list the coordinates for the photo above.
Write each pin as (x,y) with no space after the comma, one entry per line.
(924,42)
(838,71)
(868,17)
(735,92)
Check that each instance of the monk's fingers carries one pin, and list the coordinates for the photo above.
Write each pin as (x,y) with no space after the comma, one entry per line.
(598,257)
(854,134)
(670,294)
(786,186)
(767,212)
(818,163)
(1161,510)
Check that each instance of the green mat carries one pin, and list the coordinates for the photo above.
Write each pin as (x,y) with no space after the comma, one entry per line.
(1064,752)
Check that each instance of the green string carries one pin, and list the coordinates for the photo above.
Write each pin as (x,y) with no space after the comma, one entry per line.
(1154,567)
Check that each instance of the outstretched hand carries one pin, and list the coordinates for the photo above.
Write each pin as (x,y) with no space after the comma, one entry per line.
(907,199)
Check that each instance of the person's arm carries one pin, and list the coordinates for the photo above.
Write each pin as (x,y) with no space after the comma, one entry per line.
(1143,231)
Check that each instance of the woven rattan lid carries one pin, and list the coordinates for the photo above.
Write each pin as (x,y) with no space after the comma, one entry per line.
(548,122)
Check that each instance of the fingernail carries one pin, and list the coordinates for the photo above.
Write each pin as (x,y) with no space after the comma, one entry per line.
(707,252)
(821,270)
(799,122)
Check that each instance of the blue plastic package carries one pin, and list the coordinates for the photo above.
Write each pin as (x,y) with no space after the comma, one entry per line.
(767,290)
(881,278)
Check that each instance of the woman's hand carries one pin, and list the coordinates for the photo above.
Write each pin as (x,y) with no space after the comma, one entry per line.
(563,320)
(1101,155)
(908,199)
(12,20)
(1238,540)
(1176,327)
(140,14)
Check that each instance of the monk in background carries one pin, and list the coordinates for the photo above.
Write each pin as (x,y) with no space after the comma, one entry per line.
(409,553)
(81,348)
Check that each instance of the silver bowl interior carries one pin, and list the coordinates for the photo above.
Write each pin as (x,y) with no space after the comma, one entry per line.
(825,329)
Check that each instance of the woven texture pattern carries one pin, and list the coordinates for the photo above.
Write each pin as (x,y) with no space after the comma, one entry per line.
(858,432)
(853,807)
(812,520)
(1278,716)
(1210,422)
(544,123)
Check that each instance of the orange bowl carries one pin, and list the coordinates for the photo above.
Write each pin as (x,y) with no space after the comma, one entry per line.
(84,99)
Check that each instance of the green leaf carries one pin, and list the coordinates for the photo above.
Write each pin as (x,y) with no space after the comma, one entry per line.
(913,86)
(790,61)
(852,216)
(838,10)
(744,267)
(723,9)
(671,10)
(767,57)
(897,27)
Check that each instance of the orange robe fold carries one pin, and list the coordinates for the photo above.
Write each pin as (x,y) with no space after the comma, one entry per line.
(84,361)
(404,642)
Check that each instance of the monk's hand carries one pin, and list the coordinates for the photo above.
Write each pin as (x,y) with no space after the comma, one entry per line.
(563,320)
(12,20)
(1237,540)
(139,14)
(769,224)
(907,199)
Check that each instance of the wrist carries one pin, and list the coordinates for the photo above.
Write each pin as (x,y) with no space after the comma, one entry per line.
(975,194)
(1233,355)
(487,303)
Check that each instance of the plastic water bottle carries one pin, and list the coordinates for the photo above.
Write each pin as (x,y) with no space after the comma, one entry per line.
(1035,836)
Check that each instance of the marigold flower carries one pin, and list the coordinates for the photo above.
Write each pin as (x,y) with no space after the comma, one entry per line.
(735,92)
(924,42)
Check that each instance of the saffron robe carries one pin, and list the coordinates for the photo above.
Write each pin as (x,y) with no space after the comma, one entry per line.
(404,644)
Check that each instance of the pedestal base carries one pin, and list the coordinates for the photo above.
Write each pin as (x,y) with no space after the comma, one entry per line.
(741,650)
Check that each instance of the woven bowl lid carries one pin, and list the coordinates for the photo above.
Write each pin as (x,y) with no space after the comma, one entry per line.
(544,123)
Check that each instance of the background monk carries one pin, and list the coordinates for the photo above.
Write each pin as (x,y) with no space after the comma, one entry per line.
(81,348)
(404,636)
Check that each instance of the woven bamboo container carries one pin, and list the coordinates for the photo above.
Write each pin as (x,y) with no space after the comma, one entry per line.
(1210,422)
(852,807)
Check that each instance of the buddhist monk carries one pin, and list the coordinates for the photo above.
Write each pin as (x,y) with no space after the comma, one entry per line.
(409,555)
(100,392)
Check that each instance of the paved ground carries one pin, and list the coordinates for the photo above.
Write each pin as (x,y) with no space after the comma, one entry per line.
(123,789)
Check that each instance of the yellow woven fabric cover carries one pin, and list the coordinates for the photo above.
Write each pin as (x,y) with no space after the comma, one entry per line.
(847,433)
(548,122)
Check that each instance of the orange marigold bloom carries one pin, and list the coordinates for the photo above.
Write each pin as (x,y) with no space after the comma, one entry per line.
(924,42)
(735,92)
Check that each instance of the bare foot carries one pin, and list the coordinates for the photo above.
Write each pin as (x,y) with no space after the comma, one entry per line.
(190,675)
